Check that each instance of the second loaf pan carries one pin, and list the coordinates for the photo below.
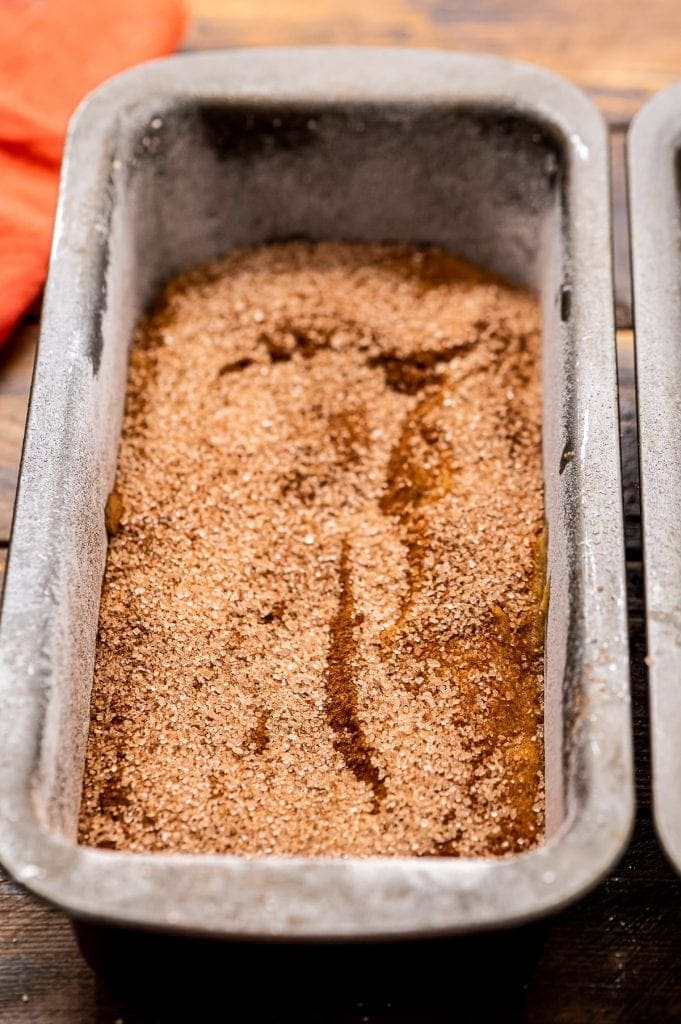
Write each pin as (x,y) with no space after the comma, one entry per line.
(654,158)
(180,161)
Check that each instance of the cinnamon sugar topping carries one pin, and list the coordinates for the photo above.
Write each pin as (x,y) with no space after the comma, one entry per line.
(321,626)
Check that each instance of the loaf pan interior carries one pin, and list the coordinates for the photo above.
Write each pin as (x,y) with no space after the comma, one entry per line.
(178,163)
(201,179)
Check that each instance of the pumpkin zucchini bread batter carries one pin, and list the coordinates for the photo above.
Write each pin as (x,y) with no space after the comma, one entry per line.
(321,628)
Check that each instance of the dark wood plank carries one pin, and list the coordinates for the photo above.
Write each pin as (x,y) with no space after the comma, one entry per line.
(620,229)
(42,977)
(629,446)
(16,368)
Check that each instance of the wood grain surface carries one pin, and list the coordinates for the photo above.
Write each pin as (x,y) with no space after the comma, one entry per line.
(615,956)
(618,52)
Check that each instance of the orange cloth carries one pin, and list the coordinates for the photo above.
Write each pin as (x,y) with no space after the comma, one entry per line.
(53,52)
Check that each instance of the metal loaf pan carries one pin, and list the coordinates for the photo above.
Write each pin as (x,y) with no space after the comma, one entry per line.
(177,162)
(654,162)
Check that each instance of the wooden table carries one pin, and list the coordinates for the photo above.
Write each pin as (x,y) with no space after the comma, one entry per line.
(614,956)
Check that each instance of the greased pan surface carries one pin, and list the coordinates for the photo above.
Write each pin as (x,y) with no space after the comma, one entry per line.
(177,162)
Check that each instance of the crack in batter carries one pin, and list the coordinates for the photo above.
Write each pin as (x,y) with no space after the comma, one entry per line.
(341,691)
